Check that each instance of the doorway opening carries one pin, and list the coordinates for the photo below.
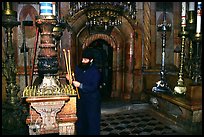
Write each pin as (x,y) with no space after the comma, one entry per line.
(103,53)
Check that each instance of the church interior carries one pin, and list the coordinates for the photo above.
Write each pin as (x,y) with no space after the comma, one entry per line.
(149,55)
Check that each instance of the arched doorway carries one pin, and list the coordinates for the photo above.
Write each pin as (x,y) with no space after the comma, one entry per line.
(103,53)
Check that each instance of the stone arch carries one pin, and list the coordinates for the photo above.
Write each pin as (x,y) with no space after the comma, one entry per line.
(111,41)
(92,38)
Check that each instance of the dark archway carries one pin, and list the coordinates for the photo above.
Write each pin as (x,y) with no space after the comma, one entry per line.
(103,53)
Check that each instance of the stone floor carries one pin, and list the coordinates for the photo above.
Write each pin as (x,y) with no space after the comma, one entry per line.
(136,119)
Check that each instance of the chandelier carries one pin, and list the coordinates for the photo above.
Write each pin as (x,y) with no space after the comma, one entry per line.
(104,16)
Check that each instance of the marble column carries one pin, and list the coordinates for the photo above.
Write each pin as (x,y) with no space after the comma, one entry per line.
(128,78)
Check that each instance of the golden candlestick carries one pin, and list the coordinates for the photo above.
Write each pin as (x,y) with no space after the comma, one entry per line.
(191,29)
(196,74)
(180,88)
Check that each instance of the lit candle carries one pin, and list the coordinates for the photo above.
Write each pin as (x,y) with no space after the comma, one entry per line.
(130,8)
(79,5)
(183,14)
(105,27)
(191,6)
(69,5)
(54,8)
(199,12)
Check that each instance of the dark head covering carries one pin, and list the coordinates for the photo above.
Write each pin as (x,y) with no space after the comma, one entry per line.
(88,53)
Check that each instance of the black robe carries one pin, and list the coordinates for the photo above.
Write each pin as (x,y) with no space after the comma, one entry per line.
(89,104)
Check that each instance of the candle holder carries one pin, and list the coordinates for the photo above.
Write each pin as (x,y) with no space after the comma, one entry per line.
(45,96)
(162,86)
(180,88)
(196,75)
(51,31)
(9,21)
(13,111)
(191,29)
(197,78)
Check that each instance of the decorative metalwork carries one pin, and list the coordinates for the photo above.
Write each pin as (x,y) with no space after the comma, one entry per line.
(48,61)
(34,91)
(180,88)
(103,16)
(191,29)
(47,58)
(197,77)
(9,20)
(58,29)
(162,86)
(196,74)
(13,111)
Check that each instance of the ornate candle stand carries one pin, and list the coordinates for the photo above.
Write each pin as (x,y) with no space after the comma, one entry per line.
(162,86)
(9,21)
(198,53)
(52,104)
(180,88)
(191,29)
(12,109)
(47,57)
(197,78)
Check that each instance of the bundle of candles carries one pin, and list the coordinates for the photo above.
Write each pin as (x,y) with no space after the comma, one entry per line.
(68,67)
(192,8)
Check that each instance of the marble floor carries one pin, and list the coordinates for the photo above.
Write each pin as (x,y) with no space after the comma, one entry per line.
(136,119)
(132,118)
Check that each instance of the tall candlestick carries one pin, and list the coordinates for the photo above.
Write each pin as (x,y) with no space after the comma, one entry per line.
(191,6)
(183,15)
(199,12)
(180,88)
(162,86)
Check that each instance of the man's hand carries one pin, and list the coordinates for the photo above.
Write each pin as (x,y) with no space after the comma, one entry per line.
(76,83)
(69,78)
